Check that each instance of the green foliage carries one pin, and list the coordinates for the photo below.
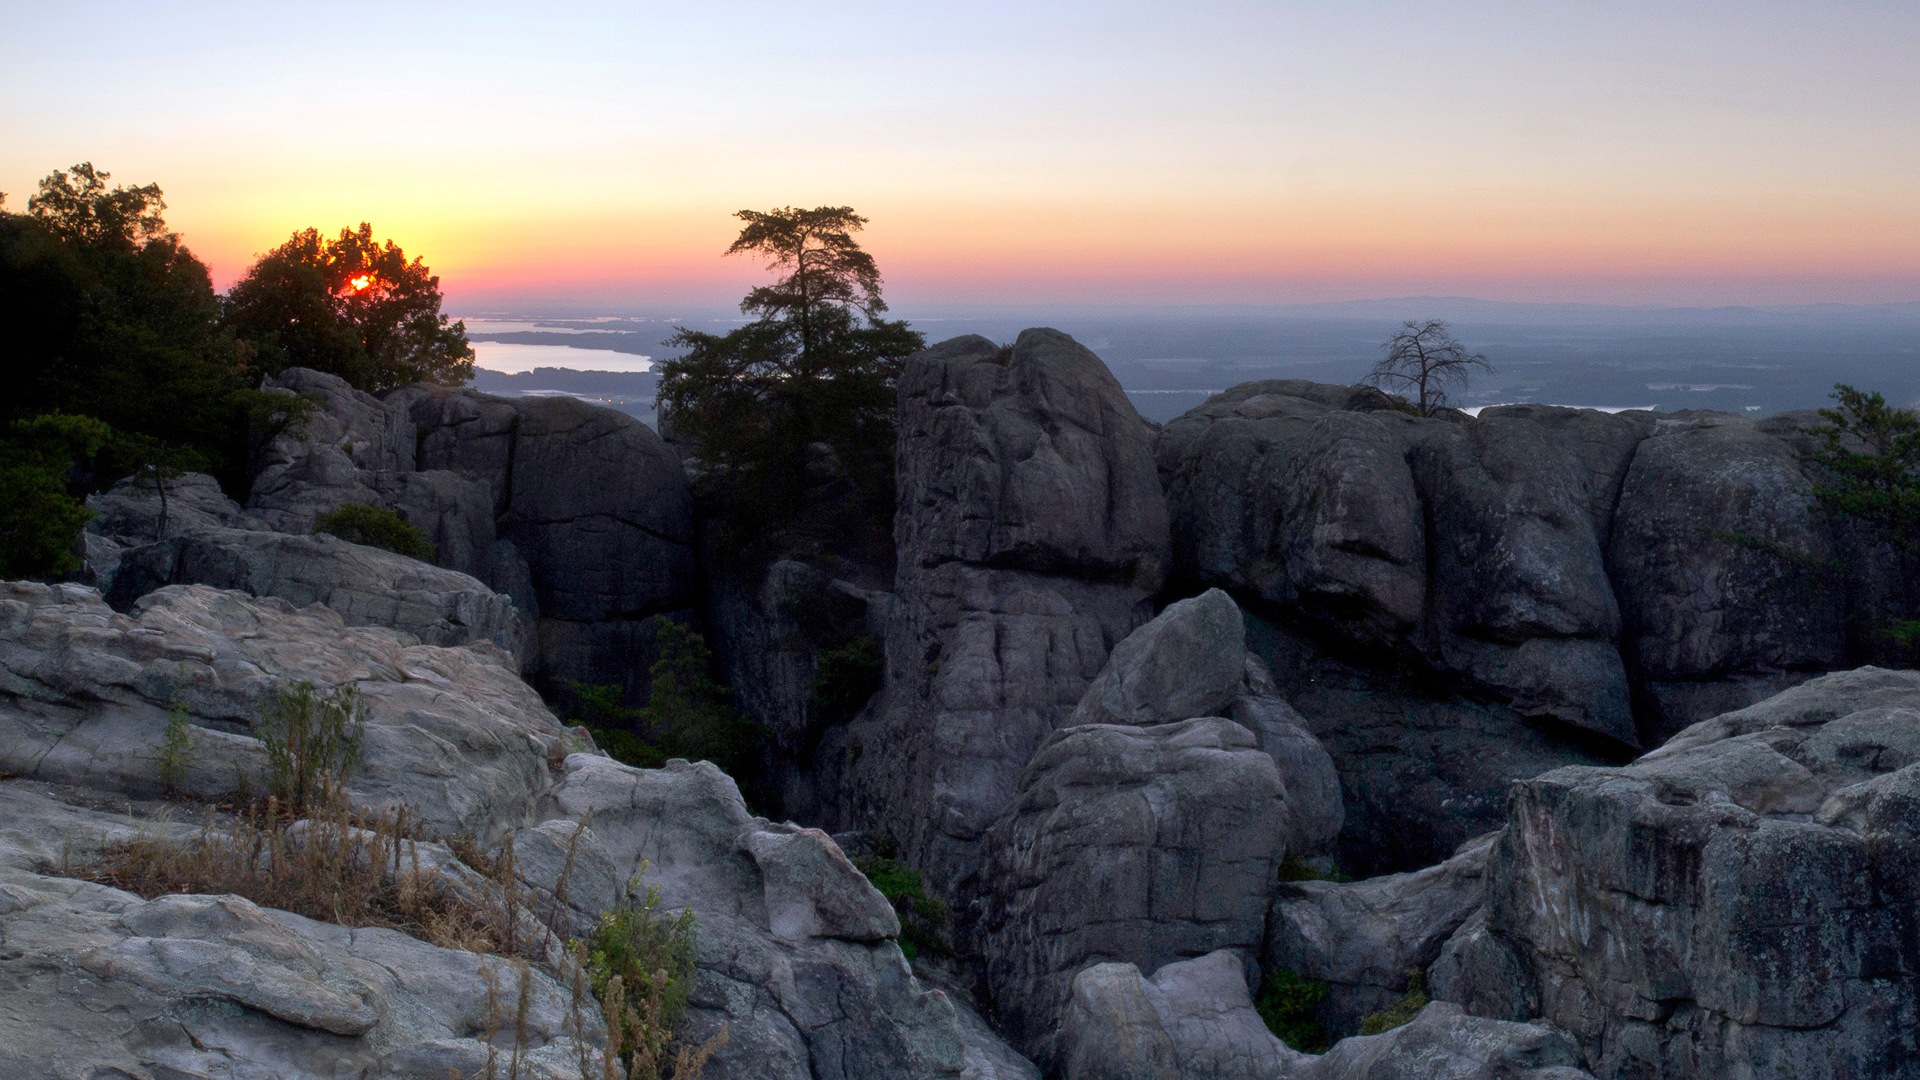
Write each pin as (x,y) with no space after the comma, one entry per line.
(1871,453)
(648,955)
(923,919)
(1288,1003)
(350,305)
(846,676)
(109,315)
(40,517)
(176,747)
(687,713)
(375,526)
(313,742)
(1402,1011)
(816,366)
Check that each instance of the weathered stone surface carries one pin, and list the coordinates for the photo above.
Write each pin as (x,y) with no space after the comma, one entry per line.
(1443,1043)
(1316,809)
(1031,534)
(1188,661)
(1519,506)
(1137,844)
(85,691)
(1192,1021)
(581,514)
(365,586)
(1737,903)
(130,510)
(1364,938)
(217,986)
(1717,556)
(1308,506)
(796,951)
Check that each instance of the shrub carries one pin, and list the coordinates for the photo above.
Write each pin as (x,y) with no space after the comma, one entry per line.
(39,515)
(176,747)
(313,742)
(639,962)
(1288,1003)
(375,526)
(1402,1011)
(923,919)
(846,677)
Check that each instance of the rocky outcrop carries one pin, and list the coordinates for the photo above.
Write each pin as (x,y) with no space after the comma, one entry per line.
(1738,903)
(1193,1021)
(1724,567)
(581,514)
(85,692)
(365,586)
(1137,844)
(1031,534)
(797,960)
(1365,939)
(129,511)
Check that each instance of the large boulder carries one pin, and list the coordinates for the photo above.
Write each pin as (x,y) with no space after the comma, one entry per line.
(1723,565)
(86,693)
(1288,493)
(1189,661)
(1031,535)
(796,952)
(365,586)
(1740,902)
(1519,506)
(579,513)
(1444,1043)
(1366,939)
(1193,1020)
(130,510)
(1143,845)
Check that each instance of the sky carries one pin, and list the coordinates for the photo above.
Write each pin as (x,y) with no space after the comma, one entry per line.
(1016,152)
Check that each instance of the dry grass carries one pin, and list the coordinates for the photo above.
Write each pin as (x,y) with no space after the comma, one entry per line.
(332,865)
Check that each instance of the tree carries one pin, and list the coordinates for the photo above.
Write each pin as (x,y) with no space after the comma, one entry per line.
(109,315)
(1869,470)
(1424,358)
(39,515)
(817,365)
(352,306)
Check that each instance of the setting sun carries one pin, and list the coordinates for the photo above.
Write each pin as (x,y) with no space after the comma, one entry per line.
(361,283)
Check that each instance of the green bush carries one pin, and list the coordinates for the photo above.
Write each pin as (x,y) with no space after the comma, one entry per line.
(40,516)
(1288,1003)
(687,713)
(176,747)
(1402,1011)
(375,526)
(639,960)
(313,742)
(923,919)
(846,677)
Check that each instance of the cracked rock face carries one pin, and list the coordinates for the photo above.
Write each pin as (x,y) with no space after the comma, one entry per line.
(1139,844)
(1031,534)
(452,733)
(1740,902)
(581,514)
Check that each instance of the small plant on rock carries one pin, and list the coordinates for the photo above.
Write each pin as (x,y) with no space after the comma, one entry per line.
(1288,1004)
(923,918)
(639,963)
(176,747)
(1402,1011)
(313,742)
(375,526)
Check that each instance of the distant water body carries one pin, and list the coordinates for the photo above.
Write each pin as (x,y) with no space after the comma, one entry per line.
(513,358)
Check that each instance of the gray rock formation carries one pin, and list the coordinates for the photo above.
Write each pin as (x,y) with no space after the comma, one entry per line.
(1364,938)
(130,510)
(796,953)
(1143,845)
(1031,534)
(581,514)
(365,586)
(1739,902)
(1193,1021)
(1720,558)
(1316,809)
(85,691)
(1189,661)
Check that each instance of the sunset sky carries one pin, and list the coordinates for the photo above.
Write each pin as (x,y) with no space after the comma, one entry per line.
(1017,152)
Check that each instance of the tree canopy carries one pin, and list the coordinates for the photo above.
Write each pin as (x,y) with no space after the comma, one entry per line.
(1424,359)
(817,365)
(350,305)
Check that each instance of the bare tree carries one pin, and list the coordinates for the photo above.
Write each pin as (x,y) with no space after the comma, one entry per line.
(1425,359)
